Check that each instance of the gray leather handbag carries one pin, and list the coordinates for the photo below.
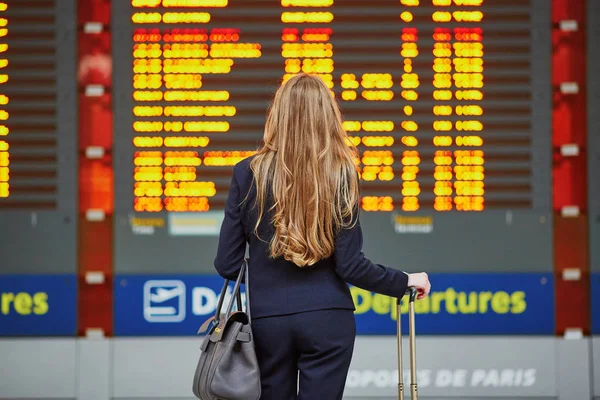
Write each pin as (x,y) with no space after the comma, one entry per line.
(228,368)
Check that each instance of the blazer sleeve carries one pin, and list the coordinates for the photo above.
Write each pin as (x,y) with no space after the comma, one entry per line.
(232,239)
(353,267)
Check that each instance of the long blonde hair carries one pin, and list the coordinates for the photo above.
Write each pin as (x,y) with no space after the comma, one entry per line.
(306,167)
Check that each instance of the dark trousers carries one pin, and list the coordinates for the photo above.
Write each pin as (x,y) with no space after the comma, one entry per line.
(305,356)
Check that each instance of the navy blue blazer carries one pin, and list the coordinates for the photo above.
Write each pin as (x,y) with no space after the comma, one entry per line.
(277,286)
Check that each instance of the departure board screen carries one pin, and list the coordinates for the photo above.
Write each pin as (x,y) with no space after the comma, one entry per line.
(29,142)
(4,154)
(447,102)
(38,136)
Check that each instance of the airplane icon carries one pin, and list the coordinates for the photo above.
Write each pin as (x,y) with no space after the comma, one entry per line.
(163,294)
(164,301)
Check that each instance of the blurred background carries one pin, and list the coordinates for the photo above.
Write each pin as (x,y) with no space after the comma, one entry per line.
(478,126)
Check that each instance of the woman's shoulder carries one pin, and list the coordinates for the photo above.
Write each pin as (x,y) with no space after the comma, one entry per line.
(242,171)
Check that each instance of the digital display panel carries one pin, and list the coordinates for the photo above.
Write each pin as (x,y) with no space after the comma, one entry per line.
(439,96)
(4,147)
(38,136)
(28,110)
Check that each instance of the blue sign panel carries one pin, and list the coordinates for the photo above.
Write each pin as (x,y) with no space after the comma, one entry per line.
(38,305)
(164,305)
(459,304)
(595,303)
(467,304)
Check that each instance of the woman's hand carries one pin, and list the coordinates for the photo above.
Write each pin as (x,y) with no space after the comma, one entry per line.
(420,280)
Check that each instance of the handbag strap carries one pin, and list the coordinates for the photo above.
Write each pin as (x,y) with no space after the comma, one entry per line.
(221,299)
(247,284)
(235,296)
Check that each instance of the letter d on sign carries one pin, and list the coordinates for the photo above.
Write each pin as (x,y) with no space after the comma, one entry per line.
(204,301)
(362,299)
(443,378)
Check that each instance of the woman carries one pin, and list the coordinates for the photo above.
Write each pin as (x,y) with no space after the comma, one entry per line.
(295,203)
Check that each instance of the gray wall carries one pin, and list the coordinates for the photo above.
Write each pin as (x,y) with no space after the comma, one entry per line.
(596,365)
(162,368)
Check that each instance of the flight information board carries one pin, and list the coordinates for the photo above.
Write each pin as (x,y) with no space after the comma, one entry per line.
(38,136)
(448,102)
(29,133)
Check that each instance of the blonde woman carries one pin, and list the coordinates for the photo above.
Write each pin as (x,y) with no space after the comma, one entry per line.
(295,203)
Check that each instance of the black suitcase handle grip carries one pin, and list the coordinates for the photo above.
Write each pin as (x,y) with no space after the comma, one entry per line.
(413,292)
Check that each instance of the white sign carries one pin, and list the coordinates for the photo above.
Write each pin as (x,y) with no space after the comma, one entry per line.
(456,367)
(444,378)
(195,224)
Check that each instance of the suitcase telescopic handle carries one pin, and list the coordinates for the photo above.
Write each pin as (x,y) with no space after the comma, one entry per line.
(414,395)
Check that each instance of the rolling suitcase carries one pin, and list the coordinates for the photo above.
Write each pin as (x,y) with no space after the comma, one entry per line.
(414,395)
